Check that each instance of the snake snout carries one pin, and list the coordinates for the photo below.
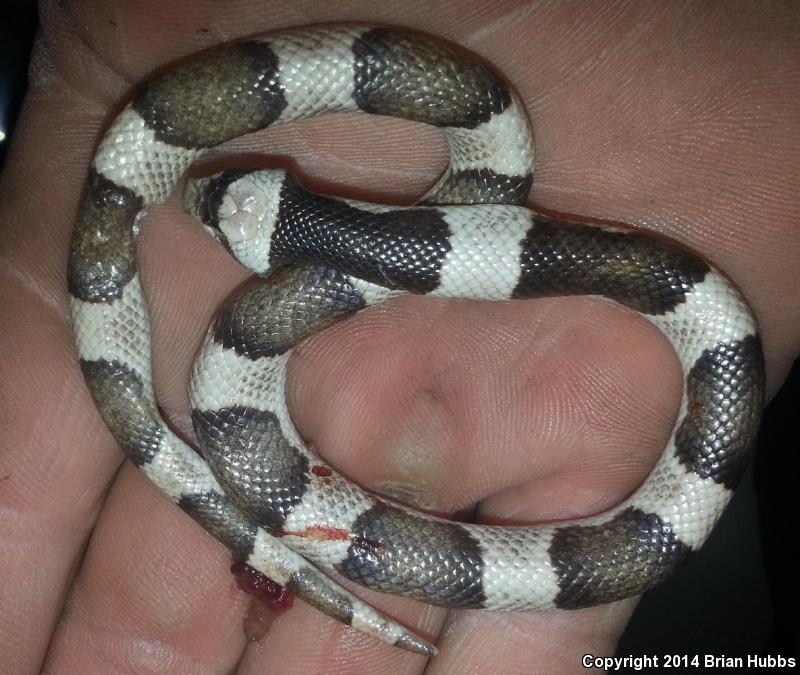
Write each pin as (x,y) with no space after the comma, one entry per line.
(240,210)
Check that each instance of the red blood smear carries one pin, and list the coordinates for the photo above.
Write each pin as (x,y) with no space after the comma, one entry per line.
(323,533)
(321,470)
(318,532)
(261,587)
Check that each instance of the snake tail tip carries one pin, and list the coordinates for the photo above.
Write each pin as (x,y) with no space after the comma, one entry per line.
(416,644)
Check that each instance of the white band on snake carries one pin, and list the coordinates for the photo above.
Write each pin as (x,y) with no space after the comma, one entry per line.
(258,489)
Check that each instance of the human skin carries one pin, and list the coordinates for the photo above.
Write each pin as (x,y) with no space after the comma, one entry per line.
(680,118)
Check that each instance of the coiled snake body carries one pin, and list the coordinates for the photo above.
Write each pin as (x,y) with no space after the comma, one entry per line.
(258,489)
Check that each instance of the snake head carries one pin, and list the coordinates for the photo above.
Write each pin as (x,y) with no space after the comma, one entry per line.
(240,210)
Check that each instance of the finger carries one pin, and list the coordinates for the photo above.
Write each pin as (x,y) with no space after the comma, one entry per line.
(542,642)
(57,457)
(303,640)
(56,460)
(153,593)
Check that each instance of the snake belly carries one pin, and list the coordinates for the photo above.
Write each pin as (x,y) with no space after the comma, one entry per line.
(262,492)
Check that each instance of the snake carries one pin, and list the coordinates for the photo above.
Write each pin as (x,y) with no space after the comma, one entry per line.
(253,483)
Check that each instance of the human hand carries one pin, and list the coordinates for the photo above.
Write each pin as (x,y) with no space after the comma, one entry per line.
(672,118)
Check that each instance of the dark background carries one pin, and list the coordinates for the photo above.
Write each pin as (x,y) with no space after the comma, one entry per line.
(740,593)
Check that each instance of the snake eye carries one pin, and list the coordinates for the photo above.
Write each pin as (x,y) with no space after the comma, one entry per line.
(213,194)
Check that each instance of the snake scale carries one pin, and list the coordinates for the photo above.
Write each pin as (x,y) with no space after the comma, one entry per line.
(257,488)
